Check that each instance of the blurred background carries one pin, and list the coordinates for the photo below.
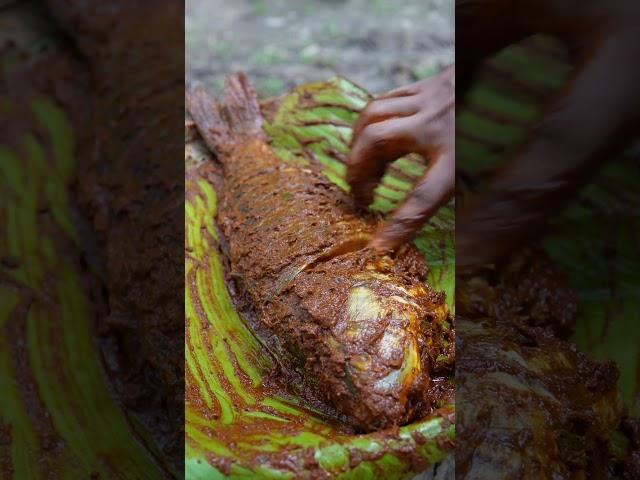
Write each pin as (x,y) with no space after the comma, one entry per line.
(379,44)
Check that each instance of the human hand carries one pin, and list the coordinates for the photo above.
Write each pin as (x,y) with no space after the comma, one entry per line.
(586,124)
(418,118)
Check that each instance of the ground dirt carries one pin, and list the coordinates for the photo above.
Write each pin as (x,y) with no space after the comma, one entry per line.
(379,44)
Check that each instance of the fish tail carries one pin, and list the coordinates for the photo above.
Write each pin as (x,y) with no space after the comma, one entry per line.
(222,125)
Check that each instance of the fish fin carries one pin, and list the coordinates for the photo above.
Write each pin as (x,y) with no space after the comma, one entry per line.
(241,104)
(222,126)
(210,121)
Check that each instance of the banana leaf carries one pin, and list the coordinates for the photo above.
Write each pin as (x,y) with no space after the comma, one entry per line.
(596,238)
(237,427)
(58,416)
(62,420)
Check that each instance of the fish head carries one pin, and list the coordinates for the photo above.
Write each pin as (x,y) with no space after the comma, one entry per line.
(380,333)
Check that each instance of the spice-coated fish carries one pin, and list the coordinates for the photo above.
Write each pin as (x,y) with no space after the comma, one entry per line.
(366,329)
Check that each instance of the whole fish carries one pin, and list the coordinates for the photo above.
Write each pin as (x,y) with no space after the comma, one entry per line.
(365,329)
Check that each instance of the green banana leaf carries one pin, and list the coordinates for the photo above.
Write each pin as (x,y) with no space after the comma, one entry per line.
(238,428)
(596,238)
(58,417)
(63,421)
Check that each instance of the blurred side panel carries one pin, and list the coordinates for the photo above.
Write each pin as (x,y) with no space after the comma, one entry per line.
(91,239)
(547,224)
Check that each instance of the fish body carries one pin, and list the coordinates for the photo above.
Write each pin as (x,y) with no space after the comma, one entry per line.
(365,329)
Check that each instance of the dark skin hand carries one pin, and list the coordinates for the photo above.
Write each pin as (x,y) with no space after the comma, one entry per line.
(418,118)
(590,121)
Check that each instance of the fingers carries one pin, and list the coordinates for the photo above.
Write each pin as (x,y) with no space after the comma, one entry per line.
(379,110)
(434,190)
(485,231)
(403,91)
(377,145)
(562,152)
